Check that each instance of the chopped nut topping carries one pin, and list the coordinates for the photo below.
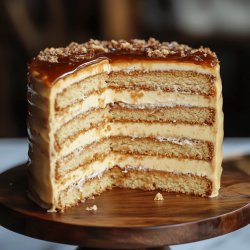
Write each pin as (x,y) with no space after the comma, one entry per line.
(151,48)
(158,197)
(92,208)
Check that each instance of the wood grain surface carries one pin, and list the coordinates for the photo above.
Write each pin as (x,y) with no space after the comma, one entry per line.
(130,218)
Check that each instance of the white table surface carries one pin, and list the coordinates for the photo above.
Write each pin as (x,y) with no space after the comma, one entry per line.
(14,152)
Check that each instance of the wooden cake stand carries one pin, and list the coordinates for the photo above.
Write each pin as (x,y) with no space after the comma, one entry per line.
(130,219)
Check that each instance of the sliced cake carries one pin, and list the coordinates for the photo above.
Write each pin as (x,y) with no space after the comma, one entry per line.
(129,114)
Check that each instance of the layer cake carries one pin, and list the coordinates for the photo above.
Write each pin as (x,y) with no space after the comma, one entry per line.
(130,114)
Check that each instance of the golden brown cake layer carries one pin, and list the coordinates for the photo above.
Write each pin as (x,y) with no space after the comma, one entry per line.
(80,90)
(154,113)
(120,112)
(188,82)
(181,148)
(133,178)
(132,97)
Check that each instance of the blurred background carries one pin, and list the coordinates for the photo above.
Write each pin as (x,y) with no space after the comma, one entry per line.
(28,26)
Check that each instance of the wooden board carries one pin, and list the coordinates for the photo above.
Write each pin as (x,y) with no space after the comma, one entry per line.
(130,218)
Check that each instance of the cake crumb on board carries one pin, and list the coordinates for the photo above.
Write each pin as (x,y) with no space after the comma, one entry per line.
(158,197)
(92,208)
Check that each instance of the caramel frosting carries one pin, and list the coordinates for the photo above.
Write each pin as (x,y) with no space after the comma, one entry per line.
(54,63)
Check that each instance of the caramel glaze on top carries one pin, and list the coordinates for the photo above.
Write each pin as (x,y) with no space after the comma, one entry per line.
(52,64)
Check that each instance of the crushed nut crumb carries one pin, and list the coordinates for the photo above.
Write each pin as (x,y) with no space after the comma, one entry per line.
(158,197)
(92,208)
(150,48)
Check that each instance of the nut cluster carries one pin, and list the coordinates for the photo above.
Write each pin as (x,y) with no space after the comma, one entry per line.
(151,48)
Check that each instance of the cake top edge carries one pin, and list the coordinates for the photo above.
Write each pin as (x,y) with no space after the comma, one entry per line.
(52,64)
(151,48)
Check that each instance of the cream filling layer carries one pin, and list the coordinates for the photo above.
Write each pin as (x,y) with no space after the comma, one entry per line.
(197,132)
(131,97)
(159,65)
(80,175)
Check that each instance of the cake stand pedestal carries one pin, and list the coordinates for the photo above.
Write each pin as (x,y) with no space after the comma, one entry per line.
(130,219)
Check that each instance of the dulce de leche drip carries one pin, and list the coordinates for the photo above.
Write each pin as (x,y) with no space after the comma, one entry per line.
(54,63)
